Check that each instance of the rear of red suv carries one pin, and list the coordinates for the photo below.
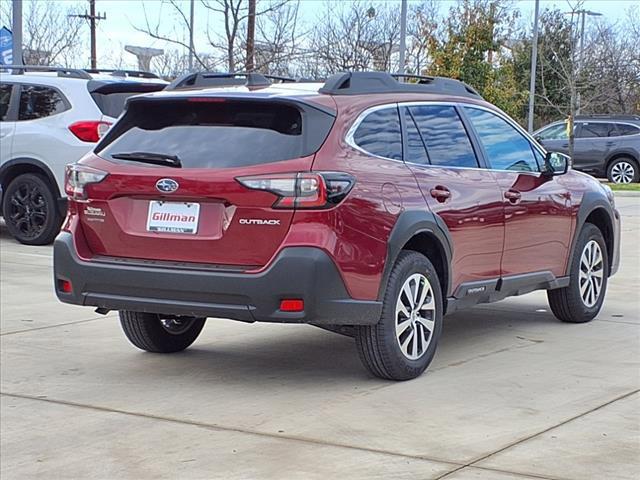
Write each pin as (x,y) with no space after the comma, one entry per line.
(185,208)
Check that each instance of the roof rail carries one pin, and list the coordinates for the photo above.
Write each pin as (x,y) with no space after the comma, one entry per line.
(62,72)
(215,79)
(359,83)
(611,116)
(122,73)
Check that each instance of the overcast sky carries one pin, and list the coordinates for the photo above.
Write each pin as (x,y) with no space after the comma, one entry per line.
(122,15)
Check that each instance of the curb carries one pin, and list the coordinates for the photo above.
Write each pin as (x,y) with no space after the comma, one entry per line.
(625,193)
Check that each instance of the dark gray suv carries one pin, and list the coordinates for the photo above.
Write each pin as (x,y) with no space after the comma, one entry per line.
(605,145)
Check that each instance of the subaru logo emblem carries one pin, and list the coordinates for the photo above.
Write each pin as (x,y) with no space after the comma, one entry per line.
(167,185)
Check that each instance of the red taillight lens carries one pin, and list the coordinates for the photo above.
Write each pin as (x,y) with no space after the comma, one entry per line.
(292,305)
(89,131)
(303,190)
(65,286)
(78,176)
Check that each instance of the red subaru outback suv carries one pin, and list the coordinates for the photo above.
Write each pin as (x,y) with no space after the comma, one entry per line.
(366,206)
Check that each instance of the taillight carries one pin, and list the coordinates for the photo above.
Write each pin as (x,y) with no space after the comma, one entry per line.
(303,190)
(89,131)
(78,177)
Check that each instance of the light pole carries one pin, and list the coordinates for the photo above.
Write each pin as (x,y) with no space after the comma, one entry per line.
(17,32)
(403,34)
(191,38)
(534,61)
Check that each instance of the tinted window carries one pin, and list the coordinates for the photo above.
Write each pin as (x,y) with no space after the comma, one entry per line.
(5,97)
(379,134)
(416,152)
(39,102)
(599,129)
(442,130)
(217,134)
(110,97)
(626,129)
(506,148)
(555,132)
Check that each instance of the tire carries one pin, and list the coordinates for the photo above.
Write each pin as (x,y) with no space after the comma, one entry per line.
(378,345)
(573,304)
(30,210)
(147,331)
(623,170)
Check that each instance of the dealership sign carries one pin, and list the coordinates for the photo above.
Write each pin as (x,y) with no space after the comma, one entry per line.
(6,46)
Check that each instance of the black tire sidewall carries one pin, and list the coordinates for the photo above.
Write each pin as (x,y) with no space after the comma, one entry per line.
(631,161)
(52,220)
(399,366)
(145,331)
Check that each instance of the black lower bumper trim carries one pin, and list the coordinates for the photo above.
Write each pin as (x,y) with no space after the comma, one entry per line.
(298,272)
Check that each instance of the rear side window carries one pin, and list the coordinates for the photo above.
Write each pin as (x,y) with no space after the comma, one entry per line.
(380,134)
(625,129)
(216,133)
(39,102)
(597,129)
(5,98)
(506,148)
(442,130)
(110,97)
(554,132)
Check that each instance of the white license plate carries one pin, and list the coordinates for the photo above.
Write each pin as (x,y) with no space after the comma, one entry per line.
(173,217)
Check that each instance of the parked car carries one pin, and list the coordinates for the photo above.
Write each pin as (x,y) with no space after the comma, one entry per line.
(363,205)
(50,117)
(605,145)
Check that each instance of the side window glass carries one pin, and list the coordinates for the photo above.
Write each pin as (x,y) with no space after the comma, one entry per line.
(39,102)
(447,142)
(626,129)
(597,129)
(506,148)
(379,134)
(415,148)
(5,98)
(555,132)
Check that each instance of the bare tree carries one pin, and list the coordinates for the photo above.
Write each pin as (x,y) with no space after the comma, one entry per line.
(279,40)
(50,35)
(421,28)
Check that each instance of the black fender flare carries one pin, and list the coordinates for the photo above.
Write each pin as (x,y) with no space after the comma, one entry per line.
(409,224)
(591,201)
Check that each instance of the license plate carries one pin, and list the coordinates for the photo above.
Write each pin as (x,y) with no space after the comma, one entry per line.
(173,217)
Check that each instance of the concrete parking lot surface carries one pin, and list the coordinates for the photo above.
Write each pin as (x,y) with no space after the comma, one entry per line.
(512,393)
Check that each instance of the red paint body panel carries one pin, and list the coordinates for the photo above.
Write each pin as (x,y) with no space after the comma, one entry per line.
(491,237)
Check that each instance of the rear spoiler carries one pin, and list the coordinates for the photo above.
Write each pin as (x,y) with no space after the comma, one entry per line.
(106,87)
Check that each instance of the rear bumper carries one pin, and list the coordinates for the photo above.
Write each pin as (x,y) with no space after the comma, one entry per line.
(297,273)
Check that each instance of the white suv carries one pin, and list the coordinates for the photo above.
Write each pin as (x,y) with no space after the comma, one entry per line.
(50,117)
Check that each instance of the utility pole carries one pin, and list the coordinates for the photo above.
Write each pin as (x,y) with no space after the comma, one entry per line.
(191,47)
(251,36)
(17,32)
(92,17)
(403,35)
(534,63)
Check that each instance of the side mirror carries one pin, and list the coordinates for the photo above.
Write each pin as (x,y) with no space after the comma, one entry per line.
(556,163)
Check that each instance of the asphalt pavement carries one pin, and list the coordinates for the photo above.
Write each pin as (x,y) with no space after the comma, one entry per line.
(512,394)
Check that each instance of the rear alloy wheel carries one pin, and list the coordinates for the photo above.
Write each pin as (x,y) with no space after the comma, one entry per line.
(403,343)
(623,170)
(30,211)
(582,300)
(160,333)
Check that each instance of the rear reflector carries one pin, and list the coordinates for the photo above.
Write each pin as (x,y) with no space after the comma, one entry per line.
(89,131)
(289,305)
(65,286)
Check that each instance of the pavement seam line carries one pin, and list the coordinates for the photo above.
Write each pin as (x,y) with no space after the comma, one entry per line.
(46,327)
(222,428)
(533,435)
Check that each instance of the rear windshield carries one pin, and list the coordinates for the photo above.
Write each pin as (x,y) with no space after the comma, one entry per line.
(112,104)
(218,133)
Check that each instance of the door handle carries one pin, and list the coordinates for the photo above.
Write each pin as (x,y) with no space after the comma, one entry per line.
(440,193)
(512,195)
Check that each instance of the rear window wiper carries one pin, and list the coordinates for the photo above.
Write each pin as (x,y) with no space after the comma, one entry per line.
(150,157)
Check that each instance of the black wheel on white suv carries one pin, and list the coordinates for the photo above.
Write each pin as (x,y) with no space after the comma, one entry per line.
(30,210)
(623,170)
(160,333)
(403,343)
(581,301)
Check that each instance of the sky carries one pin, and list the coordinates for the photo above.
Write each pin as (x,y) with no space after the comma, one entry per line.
(123,15)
